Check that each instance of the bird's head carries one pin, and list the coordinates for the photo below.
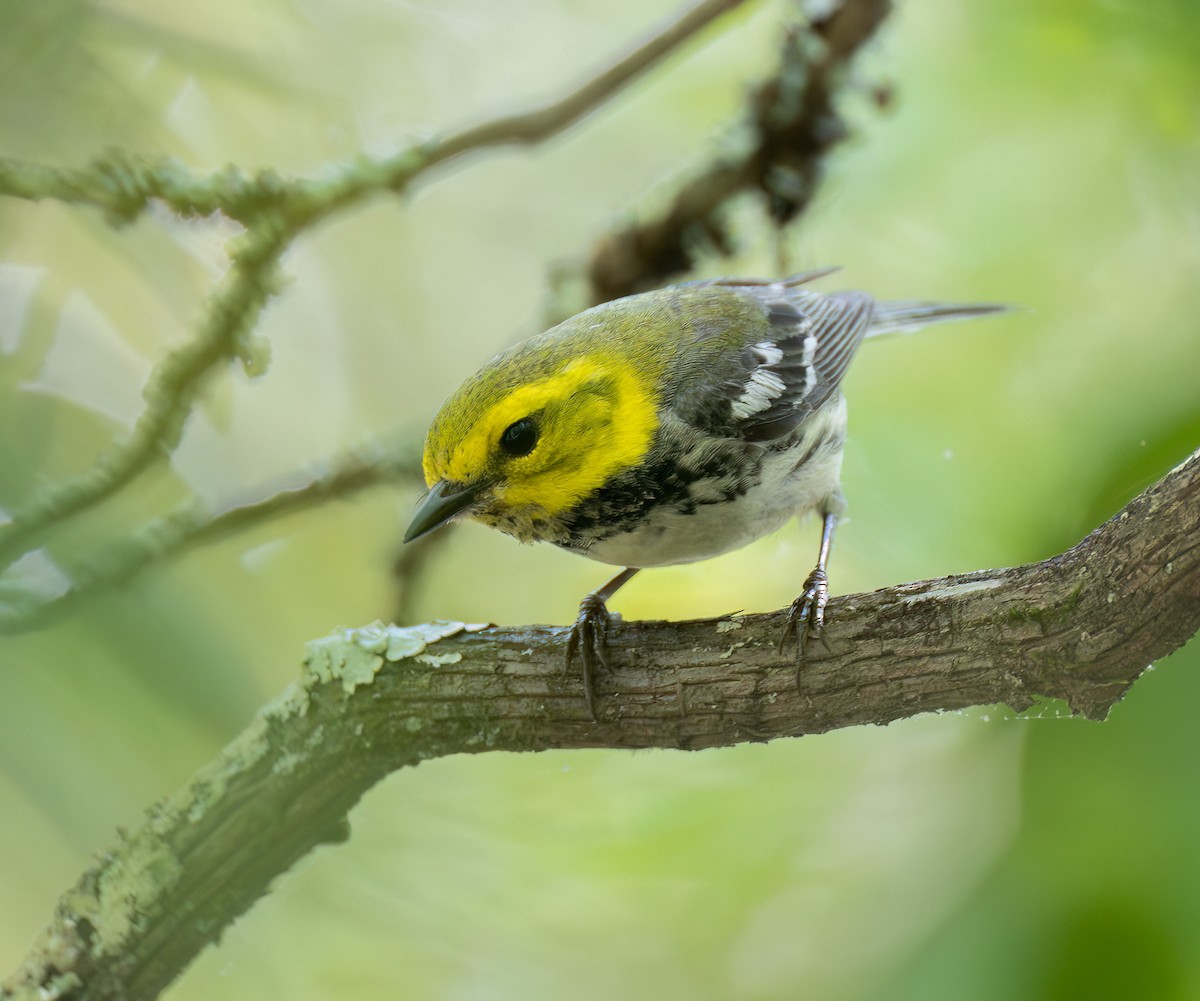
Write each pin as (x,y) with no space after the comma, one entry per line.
(533,433)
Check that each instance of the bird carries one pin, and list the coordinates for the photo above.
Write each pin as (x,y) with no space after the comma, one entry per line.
(665,427)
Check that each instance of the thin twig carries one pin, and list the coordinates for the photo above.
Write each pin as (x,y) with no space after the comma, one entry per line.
(535,125)
(538,123)
(122,185)
(193,525)
(174,384)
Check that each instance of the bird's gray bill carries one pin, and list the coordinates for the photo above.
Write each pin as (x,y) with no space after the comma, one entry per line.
(437,507)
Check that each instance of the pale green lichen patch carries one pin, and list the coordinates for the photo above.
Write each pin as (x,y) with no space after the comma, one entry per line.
(292,702)
(359,667)
(409,641)
(287,763)
(355,656)
(143,869)
(438,629)
(729,625)
(351,656)
(439,659)
(373,638)
(404,643)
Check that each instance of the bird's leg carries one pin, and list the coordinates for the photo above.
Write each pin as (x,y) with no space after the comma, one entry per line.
(806,617)
(589,635)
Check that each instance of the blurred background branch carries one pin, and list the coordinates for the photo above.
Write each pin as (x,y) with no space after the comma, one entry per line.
(790,123)
(225,332)
(123,186)
(396,461)
(1078,627)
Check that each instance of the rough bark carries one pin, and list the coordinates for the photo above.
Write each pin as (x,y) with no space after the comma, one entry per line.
(1079,627)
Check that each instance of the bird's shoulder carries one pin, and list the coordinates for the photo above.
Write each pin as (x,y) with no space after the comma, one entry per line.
(764,356)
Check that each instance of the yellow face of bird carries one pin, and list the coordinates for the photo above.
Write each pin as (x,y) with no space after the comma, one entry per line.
(532,446)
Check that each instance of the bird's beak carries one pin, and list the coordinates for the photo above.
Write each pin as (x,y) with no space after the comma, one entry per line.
(442,503)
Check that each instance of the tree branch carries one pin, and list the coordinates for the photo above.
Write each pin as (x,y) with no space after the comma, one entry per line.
(1079,627)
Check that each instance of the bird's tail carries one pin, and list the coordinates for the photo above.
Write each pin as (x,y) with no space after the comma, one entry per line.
(902,317)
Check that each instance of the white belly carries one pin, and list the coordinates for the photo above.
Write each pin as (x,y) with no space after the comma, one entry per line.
(671,536)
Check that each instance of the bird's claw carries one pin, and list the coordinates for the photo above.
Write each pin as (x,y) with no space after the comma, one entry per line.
(589,639)
(806,617)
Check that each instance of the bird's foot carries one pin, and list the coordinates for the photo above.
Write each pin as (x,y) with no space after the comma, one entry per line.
(589,639)
(806,617)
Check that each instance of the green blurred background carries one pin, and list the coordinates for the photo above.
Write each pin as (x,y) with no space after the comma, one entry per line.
(1041,153)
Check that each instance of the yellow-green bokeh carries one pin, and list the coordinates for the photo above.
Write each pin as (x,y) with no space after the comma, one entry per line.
(1045,154)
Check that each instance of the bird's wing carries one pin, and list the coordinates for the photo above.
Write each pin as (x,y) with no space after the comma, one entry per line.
(794,363)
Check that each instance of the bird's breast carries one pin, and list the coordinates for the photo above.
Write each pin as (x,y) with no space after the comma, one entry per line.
(711,498)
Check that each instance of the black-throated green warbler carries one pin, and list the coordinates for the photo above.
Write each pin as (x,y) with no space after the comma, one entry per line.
(664,428)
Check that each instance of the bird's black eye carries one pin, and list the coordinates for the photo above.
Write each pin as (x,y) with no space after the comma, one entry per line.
(520,437)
